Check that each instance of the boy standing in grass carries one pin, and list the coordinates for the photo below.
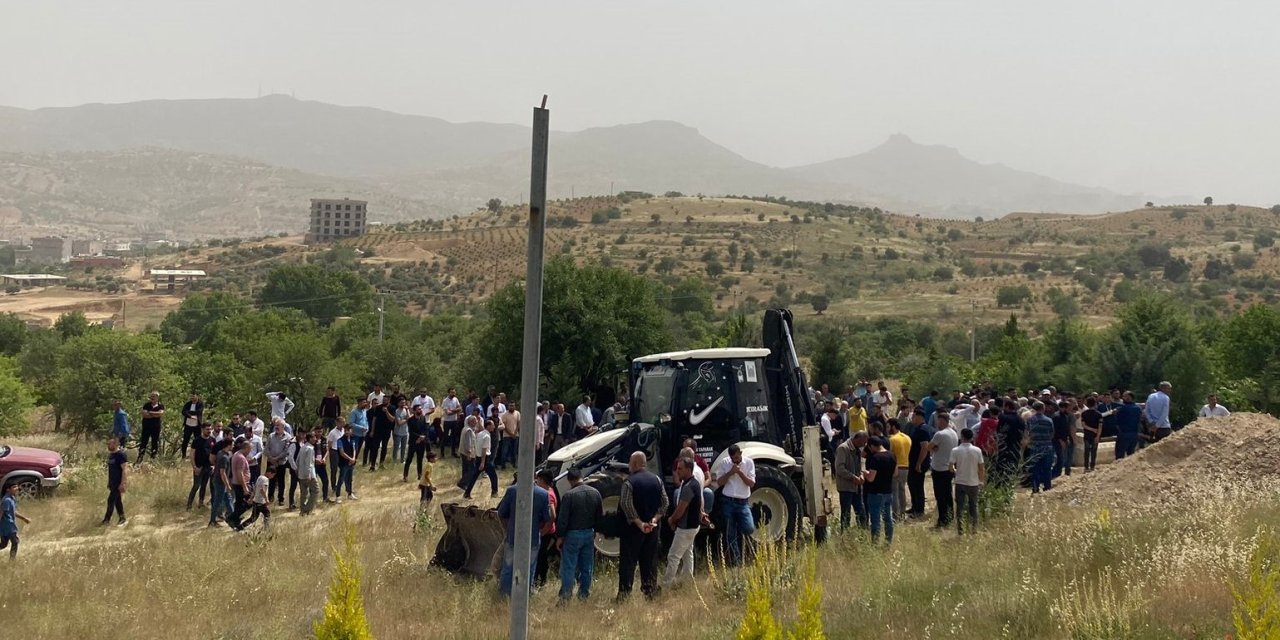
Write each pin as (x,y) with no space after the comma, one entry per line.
(261,498)
(426,489)
(9,517)
(117,480)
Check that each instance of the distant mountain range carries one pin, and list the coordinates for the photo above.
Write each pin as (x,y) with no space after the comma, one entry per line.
(411,166)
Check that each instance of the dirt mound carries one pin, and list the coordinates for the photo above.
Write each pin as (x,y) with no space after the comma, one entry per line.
(1238,448)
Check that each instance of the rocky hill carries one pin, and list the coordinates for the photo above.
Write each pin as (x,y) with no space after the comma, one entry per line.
(457,166)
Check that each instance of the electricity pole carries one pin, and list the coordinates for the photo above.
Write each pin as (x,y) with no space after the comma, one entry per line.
(520,578)
(382,309)
(973,331)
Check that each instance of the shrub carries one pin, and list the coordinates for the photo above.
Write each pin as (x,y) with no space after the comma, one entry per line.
(344,617)
(1256,613)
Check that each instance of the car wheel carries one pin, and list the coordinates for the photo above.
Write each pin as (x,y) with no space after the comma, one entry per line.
(28,488)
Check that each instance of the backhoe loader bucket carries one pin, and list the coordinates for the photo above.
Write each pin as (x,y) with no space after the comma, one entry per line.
(471,539)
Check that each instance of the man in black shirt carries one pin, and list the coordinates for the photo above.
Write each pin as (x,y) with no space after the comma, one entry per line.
(117,481)
(192,418)
(1063,438)
(418,444)
(921,434)
(1092,419)
(1010,431)
(577,516)
(152,415)
(330,408)
(201,465)
(643,503)
(878,487)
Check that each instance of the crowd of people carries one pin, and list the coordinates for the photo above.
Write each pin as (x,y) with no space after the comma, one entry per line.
(880,449)
(243,465)
(1030,438)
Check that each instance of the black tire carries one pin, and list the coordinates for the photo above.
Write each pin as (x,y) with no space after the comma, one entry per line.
(610,487)
(774,491)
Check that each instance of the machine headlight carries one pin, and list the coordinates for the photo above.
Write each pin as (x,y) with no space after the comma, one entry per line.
(55,471)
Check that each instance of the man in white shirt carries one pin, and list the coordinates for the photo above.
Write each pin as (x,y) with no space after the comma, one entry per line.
(1213,409)
(375,397)
(883,399)
(425,401)
(484,461)
(467,447)
(940,448)
(736,475)
(970,471)
(453,417)
(963,415)
(281,405)
(334,435)
(540,433)
(303,463)
(253,424)
(583,420)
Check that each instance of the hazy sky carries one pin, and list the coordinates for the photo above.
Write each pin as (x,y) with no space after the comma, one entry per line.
(1162,97)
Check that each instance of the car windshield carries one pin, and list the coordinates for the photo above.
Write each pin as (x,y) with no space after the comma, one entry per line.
(653,394)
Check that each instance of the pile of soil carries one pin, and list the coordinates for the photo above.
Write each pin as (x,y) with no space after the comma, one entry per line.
(1238,448)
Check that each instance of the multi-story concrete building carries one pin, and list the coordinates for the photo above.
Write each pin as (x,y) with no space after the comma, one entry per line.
(336,219)
(50,250)
(85,247)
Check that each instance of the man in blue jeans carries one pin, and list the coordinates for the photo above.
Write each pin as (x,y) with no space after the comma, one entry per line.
(581,507)
(878,486)
(507,513)
(735,474)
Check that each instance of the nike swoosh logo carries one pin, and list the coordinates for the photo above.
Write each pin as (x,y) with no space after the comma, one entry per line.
(696,417)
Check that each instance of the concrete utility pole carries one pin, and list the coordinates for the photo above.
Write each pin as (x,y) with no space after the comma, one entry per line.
(520,578)
(973,331)
(382,311)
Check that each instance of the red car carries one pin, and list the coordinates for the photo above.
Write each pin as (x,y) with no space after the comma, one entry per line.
(34,470)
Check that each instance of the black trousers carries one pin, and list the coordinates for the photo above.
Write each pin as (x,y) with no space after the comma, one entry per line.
(416,451)
(943,495)
(242,505)
(545,550)
(376,452)
(189,434)
(642,549)
(199,483)
(453,434)
(115,506)
(293,486)
(149,435)
(915,486)
(275,487)
(322,476)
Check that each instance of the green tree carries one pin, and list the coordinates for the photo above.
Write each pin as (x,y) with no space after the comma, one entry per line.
(1248,348)
(820,303)
(99,367)
(13,334)
(1154,340)
(16,398)
(494,205)
(344,616)
(71,324)
(1011,295)
(1208,200)
(320,293)
(827,345)
(188,322)
(594,319)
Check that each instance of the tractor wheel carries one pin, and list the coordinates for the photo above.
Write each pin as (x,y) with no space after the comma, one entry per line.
(775,505)
(610,488)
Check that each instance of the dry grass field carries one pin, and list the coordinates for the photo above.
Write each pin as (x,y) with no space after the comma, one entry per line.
(1100,559)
